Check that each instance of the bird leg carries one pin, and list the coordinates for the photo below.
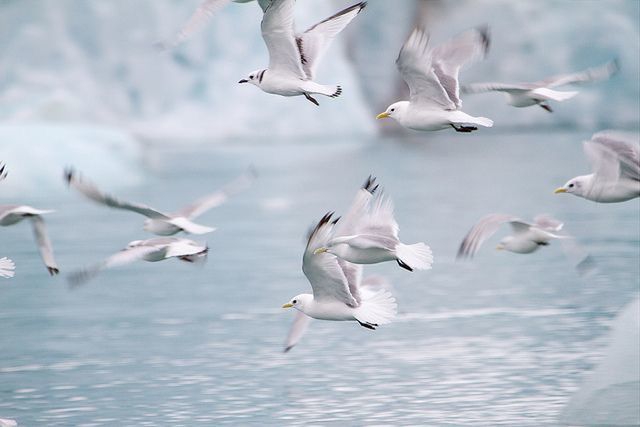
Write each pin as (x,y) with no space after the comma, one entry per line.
(465,129)
(368,325)
(310,98)
(403,265)
(546,107)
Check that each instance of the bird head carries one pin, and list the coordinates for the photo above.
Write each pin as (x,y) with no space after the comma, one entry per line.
(298,302)
(255,77)
(394,110)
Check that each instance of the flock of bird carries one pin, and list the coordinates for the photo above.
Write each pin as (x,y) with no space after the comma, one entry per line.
(338,247)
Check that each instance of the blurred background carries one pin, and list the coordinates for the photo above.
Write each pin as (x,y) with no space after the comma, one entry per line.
(503,340)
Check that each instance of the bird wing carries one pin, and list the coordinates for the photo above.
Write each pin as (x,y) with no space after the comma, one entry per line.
(416,68)
(217,198)
(279,36)
(89,190)
(3,171)
(379,220)
(449,57)
(196,22)
(184,247)
(348,222)
(547,223)
(44,244)
(125,256)
(625,148)
(323,270)
(314,42)
(589,75)
(297,330)
(7,267)
(497,87)
(481,231)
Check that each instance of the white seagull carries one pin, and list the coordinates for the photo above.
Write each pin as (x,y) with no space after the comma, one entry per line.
(293,58)
(432,76)
(336,286)
(526,238)
(7,267)
(160,223)
(152,250)
(541,92)
(615,160)
(199,18)
(12,214)
(371,236)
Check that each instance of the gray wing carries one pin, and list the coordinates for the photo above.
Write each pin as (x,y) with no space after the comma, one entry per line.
(449,57)
(314,42)
(602,72)
(481,231)
(624,147)
(497,87)
(92,192)
(219,197)
(279,36)
(547,223)
(44,244)
(297,330)
(415,64)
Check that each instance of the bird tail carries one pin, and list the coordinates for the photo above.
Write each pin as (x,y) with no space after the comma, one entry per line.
(414,257)
(332,91)
(378,309)
(482,121)
(553,95)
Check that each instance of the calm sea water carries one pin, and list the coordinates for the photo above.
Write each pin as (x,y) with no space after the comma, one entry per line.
(502,340)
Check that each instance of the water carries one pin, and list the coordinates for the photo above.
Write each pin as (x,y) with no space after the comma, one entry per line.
(503,340)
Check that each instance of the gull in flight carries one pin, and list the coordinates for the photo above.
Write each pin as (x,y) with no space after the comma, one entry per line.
(337,286)
(432,76)
(7,267)
(160,223)
(541,92)
(152,250)
(371,236)
(615,160)
(12,214)
(294,58)
(368,287)
(199,18)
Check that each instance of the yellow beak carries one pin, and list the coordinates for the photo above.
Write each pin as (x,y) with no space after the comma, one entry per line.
(560,190)
(287,305)
(382,115)
(320,251)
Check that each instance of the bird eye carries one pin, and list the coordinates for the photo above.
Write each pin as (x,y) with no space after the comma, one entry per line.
(393,109)
(251,77)
(570,185)
(295,301)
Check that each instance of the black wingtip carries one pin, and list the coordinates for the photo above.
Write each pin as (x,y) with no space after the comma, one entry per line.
(287,348)
(337,93)
(486,37)
(68,174)
(53,270)
(370,184)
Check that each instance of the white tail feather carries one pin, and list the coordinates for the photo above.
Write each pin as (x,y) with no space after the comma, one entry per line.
(378,309)
(417,256)
(482,121)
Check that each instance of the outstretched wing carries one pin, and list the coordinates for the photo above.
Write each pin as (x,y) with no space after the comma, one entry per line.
(314,42)
(624,146)
(497,87)
(415,65)
(219,197)
(44,244)
(589,75)
(92,192)
(323,270)
(482,230)
(279,36)
(449,57)
(297,330)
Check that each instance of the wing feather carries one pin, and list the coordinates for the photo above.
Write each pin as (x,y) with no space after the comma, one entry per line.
(44,244)
(480,232)
(278,34)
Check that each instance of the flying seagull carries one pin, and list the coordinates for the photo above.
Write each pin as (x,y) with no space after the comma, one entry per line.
(432,76)
(160,223)
(541,92)
(12,214)
(294,58)
(615,160)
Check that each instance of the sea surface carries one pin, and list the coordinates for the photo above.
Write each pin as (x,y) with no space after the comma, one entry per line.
(504,339)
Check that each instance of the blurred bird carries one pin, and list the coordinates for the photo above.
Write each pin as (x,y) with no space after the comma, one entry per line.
(337,286)
(369,286)
(7,267)
(152,250)
(3,171)
(371,235)
(615,160)
(294,58)
(526,237)
(165,224)
(5,422)
(12,214)
(199,18)
(432,76)
(540,92)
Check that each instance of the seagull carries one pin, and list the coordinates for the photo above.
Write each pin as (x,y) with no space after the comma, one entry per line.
(372,237)
(336,286)
(615,160)
(294,58)
(199,18)
(368,287)
(432,76)
(11,214)
(541,92)
(7,267)
(159,223)
(5,422)
(152,250)
(526,237)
